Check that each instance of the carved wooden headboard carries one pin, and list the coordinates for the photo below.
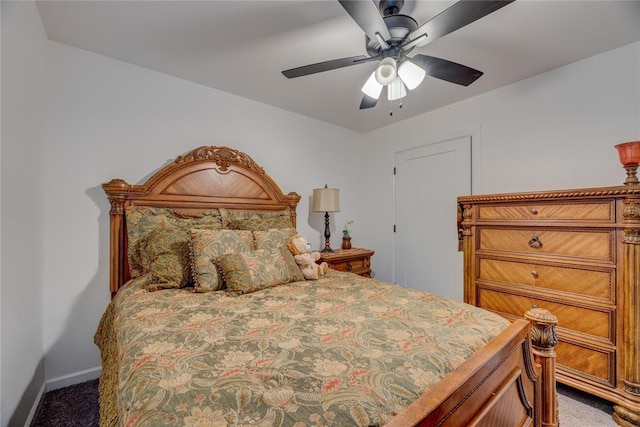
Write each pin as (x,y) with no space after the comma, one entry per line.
(207,177)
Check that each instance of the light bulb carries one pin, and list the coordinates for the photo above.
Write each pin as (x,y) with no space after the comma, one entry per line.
(386,71)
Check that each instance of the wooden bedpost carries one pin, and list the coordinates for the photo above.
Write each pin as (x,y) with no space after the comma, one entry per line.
(115,190)
(543,339)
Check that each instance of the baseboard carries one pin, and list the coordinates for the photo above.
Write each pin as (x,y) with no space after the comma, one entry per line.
(75,378)
(36,406)
(27,406)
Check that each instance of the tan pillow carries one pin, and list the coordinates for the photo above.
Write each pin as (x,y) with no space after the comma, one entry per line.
(273,238)
(246,272)
(255,220)
(206,245)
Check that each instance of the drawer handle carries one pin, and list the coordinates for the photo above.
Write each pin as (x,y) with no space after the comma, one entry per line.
(534,273)
(349,266)
(534,211)
(535,242)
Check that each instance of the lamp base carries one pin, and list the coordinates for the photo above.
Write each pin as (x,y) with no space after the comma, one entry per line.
(632,179)
(327,234)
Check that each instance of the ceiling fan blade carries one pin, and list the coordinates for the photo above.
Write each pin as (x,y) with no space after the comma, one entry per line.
(367,16)
(368,102)
(447,70)
(326,66)
(456,16)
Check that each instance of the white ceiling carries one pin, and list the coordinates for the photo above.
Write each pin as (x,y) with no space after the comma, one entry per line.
(241,47)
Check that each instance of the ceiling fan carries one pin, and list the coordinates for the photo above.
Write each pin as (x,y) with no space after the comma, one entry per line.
(390,36)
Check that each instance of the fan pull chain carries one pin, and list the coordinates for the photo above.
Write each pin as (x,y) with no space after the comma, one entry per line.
(399,106)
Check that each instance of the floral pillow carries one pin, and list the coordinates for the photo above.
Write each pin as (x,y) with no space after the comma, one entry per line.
(255,220)
(246,272)
(273,238)
(142,221)
(206,245)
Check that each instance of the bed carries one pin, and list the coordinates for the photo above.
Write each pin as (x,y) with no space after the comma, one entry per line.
(233,335)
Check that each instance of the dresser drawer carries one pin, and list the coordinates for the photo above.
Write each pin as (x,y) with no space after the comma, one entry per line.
(587,321)
(602,211)
(580,244)
(580,281)
(589,362)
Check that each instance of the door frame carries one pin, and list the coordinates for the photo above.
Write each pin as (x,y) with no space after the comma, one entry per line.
(475,135)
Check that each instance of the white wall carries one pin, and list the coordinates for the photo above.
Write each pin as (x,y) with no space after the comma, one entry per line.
(108,119)
(552,131)
(21,373)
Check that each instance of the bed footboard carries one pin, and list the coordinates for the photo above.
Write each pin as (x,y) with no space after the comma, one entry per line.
(509,382)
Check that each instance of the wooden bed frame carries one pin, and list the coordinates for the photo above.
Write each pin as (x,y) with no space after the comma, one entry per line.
(509,382)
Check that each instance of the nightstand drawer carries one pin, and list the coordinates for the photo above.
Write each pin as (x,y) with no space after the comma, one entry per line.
(596,323)
(356,264)
(597,283)
(579,244)
(354,260)
(588,211)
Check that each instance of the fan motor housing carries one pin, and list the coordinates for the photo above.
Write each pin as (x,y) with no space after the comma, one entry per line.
(399,26)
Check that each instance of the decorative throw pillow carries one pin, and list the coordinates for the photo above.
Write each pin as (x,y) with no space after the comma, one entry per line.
(273,238)
(255,220)
(142,221)
(206,245)
(168,251)
(246,272)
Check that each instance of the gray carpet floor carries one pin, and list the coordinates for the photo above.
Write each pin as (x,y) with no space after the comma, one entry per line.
(579,409)
(77,406)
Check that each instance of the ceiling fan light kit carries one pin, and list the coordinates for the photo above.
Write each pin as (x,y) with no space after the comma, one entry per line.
(391,36)
(407,76)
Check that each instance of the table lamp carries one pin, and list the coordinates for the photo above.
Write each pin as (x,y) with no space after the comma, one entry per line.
(326,200)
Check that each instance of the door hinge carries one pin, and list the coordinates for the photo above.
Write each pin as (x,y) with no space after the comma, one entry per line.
(394,170)
(394,228)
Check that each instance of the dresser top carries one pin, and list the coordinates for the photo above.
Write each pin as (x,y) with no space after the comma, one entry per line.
(579,193)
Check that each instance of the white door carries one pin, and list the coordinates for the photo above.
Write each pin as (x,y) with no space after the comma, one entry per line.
(427,181)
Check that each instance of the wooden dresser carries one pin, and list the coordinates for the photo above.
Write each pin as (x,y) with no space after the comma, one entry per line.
(577,254)
(354,260)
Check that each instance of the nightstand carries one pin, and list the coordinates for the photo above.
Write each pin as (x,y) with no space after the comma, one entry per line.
(354,260)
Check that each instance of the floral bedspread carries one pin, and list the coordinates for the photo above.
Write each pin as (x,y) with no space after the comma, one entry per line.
(341,351)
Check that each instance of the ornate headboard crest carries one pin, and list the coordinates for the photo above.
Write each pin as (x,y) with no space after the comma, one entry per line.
(207,177)
(221,156)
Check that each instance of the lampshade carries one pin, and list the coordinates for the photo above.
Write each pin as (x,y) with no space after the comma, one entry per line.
(396,90)
(386,71)
(411,74)
(372,88)
(326,200)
